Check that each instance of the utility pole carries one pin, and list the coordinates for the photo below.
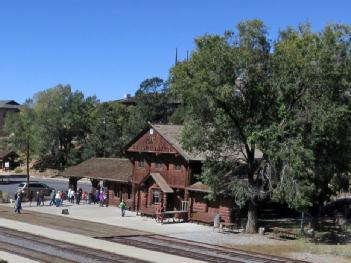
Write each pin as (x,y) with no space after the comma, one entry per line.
(176,57)
(27,156)
(104,142)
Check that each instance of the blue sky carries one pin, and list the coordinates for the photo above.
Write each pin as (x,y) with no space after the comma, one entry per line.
(107,47)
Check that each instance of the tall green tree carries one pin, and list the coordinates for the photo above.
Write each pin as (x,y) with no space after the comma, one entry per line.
(154,103)
(107,133)
(311,74)
(291,102)
(225,84)
(63,118)
(23,133)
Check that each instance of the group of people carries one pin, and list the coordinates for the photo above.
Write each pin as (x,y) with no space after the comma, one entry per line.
(57,197)
(39,198)
(76,195)
(100,197)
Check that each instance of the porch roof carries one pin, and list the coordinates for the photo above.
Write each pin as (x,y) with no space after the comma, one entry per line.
(161,182)
(109,169)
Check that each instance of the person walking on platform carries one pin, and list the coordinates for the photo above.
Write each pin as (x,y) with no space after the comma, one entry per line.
(37,197)
(96,196)
(69,195)
(79,196)
(73,196)
(18,204)
(122,205)
(41,198)
(58,199)
(52,198)
(30,197)
(101,198)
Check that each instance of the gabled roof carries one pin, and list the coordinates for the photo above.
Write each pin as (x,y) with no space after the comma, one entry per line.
(172,134)
(9,104)
(112,169)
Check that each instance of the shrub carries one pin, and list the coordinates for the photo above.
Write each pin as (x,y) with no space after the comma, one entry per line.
(4,197)
(18,170)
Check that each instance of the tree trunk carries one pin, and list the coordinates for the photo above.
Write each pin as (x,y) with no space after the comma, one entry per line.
(251,225)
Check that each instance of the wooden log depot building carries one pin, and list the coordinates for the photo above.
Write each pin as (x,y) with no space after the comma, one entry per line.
(156,169)
(8,160)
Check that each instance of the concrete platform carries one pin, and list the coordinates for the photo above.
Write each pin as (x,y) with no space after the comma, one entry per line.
(112,216)
(188,231)
(11,258)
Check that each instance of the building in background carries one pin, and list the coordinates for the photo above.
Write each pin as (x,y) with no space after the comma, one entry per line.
(8,160)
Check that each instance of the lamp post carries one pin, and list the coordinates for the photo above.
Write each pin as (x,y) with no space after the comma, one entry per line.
(104,137)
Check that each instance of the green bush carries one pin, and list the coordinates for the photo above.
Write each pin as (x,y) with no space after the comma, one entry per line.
(4,197)
(18,170)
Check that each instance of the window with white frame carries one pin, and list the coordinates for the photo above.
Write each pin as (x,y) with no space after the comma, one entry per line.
(156,197)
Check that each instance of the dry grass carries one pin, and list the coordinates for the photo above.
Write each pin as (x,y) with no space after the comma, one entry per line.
(292,248)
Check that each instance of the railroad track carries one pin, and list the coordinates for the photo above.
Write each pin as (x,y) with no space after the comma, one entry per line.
(140,239)
(52,251)
(194,250)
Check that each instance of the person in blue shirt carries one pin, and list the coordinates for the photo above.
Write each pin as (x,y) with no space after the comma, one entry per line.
(18,204)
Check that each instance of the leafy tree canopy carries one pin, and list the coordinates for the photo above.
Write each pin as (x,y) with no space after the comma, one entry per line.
(107,133)
(63,118)
(289,101)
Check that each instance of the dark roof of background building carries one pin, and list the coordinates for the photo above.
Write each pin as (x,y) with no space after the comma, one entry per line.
(127,100)
(4,153)
(199,187)
(9,104)
(132,100)
(111,169)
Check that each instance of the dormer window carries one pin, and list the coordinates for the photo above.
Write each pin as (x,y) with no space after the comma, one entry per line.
(141,163)
(178,167)
(151,131)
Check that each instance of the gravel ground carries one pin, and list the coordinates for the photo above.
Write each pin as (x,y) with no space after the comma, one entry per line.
(220,239)
(322,258)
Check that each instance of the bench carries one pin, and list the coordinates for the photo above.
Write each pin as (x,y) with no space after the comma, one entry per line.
(228,227)
(176,214)
(152,214)
(284,233)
